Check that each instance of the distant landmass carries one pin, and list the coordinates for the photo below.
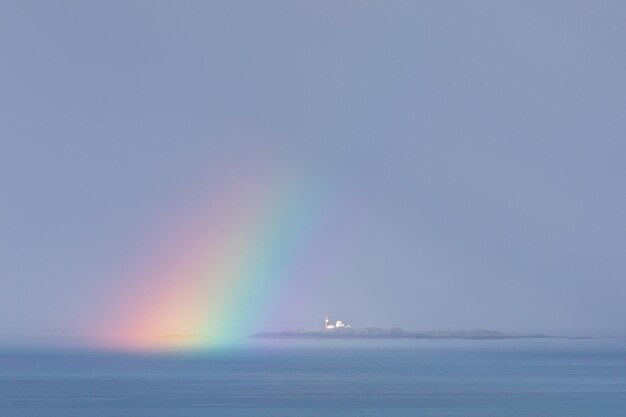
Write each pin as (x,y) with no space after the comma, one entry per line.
(393,333)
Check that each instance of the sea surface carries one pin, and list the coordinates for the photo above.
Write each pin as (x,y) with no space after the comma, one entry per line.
(547,378)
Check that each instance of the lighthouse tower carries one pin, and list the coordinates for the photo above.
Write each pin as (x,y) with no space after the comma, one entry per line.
(326,322)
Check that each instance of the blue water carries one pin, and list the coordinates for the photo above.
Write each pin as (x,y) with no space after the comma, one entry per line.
(547,378)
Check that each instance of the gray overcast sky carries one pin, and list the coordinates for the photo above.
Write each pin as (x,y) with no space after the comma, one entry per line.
(478,147)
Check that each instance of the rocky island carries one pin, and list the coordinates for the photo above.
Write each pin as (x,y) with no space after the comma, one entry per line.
(340,330)
(393,333)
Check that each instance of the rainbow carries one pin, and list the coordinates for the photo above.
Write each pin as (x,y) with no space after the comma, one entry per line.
(220,276)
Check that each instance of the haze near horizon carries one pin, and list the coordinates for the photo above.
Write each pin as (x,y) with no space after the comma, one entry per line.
(232,168)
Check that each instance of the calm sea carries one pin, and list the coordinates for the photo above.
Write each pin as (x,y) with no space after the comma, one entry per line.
(547,378)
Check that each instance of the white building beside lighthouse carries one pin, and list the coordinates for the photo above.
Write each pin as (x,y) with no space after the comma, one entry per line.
(329,325)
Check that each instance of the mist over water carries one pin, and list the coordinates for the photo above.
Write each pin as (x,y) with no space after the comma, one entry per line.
(473,153)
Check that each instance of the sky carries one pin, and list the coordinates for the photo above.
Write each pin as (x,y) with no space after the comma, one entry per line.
(458,165)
